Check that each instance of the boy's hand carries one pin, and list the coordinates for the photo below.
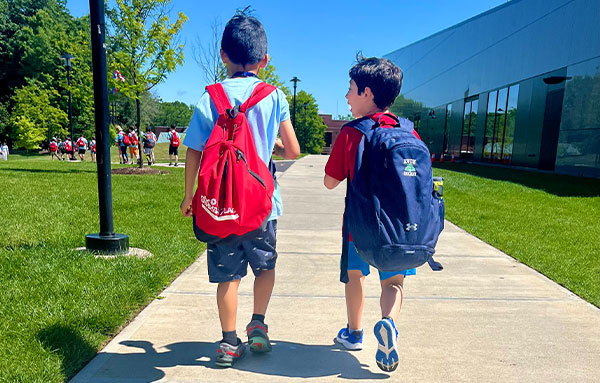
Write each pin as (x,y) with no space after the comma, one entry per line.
(186,207)
(278,149)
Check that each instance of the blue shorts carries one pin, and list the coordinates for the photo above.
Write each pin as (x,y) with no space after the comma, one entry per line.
(355,262)
(228,262)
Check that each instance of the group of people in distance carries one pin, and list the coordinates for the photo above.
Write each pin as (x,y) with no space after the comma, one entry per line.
(63,150)
(128,141)
(374,84)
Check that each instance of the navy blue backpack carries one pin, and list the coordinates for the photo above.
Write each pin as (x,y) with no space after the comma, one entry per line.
(392,212)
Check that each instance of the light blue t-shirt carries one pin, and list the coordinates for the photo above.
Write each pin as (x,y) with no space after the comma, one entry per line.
(263,119)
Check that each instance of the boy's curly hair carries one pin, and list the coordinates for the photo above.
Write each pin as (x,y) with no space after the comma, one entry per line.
(380,75)
(244,39)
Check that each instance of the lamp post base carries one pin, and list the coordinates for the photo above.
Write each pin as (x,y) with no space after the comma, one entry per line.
(118,243)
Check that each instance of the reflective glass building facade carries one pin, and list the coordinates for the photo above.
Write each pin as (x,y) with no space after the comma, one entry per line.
(517,85)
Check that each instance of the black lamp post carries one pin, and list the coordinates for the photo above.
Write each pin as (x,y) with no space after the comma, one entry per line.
(295,81)
(67,57)
(107,241)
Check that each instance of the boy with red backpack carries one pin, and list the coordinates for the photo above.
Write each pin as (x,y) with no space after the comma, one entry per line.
(122,140)
(133,145)
(69,149)
(174,142)
(54,149)
(389,197)
(81,147)
(241,138)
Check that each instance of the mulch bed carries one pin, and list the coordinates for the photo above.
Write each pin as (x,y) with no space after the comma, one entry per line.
(136,170)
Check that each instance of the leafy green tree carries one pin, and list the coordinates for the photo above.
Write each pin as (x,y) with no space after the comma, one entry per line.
(309,128)
(33,115)
(176,113)
(269,76)
(145,47)
(32,38)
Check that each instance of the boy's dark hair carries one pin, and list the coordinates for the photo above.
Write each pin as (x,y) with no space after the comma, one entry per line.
(381,76)
(172,126)
(244,39)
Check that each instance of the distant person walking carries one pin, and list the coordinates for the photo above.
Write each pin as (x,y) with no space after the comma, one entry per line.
(174,142)
(82,147)
(93,148)
(4,151)
(61,150)
(123,143)
(53,148)
(69,148)
(149,143)
(133,146)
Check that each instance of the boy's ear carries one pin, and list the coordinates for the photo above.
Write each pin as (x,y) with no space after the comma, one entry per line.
(224,57)
(264,61)
(368,93)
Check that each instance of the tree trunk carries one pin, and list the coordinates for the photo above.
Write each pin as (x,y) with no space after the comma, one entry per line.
(139,130)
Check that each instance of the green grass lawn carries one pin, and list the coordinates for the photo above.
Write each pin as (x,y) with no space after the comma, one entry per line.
(547,221)
(59,306)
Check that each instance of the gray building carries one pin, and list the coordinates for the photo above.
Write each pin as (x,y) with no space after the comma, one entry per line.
(518,85)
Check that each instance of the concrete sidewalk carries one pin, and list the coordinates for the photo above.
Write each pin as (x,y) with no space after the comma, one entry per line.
(484,318)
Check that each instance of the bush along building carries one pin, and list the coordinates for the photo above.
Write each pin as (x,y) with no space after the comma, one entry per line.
(517,85)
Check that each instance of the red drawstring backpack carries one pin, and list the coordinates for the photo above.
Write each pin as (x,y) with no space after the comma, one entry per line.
(235,186)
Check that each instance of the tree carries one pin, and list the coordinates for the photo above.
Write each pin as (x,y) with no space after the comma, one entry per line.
(145,47)
(176,113)
(33,35)
(268,75)
(208,56)
(406,107)
(309,128)
(34,116)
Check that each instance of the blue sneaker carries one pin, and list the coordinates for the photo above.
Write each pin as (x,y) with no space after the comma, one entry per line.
(349,339)
(387,350)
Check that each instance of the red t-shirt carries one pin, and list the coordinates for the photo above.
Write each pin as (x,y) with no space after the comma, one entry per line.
(343,154)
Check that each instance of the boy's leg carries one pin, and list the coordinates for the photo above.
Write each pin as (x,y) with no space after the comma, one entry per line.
(263,288)
(391,296)
(227,301)
(387,356)
(225,268)
(262,257)
(351,336)
(355,298)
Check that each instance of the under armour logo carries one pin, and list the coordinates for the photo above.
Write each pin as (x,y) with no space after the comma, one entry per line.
(411,226)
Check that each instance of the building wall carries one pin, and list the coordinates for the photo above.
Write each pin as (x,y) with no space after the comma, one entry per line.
(532,66)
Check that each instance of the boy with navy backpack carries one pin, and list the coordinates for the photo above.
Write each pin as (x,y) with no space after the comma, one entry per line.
(235,126)
(385,226)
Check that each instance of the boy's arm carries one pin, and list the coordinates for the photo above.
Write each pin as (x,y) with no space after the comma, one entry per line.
(288,147)
(192,165)
(330,182)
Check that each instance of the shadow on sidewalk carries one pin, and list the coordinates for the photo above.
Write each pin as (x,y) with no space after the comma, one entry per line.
(287,359)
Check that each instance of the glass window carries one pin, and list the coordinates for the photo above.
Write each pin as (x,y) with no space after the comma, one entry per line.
(509,131)
(464,140)
(473,127)
(447,129)
(467,143)
(500,125)
(490,122)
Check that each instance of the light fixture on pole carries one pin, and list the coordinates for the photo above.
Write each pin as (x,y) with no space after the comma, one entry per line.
(68,57)
(295,81)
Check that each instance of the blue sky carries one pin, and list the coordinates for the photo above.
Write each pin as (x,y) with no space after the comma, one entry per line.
(316,41)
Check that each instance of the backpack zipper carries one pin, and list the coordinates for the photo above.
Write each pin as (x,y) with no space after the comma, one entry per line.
(241,156)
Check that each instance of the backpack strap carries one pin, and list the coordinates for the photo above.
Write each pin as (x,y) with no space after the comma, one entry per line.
(219,97)
(261,90)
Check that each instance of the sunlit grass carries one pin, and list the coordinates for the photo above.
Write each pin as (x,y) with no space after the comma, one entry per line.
(549,222)
(58,305)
